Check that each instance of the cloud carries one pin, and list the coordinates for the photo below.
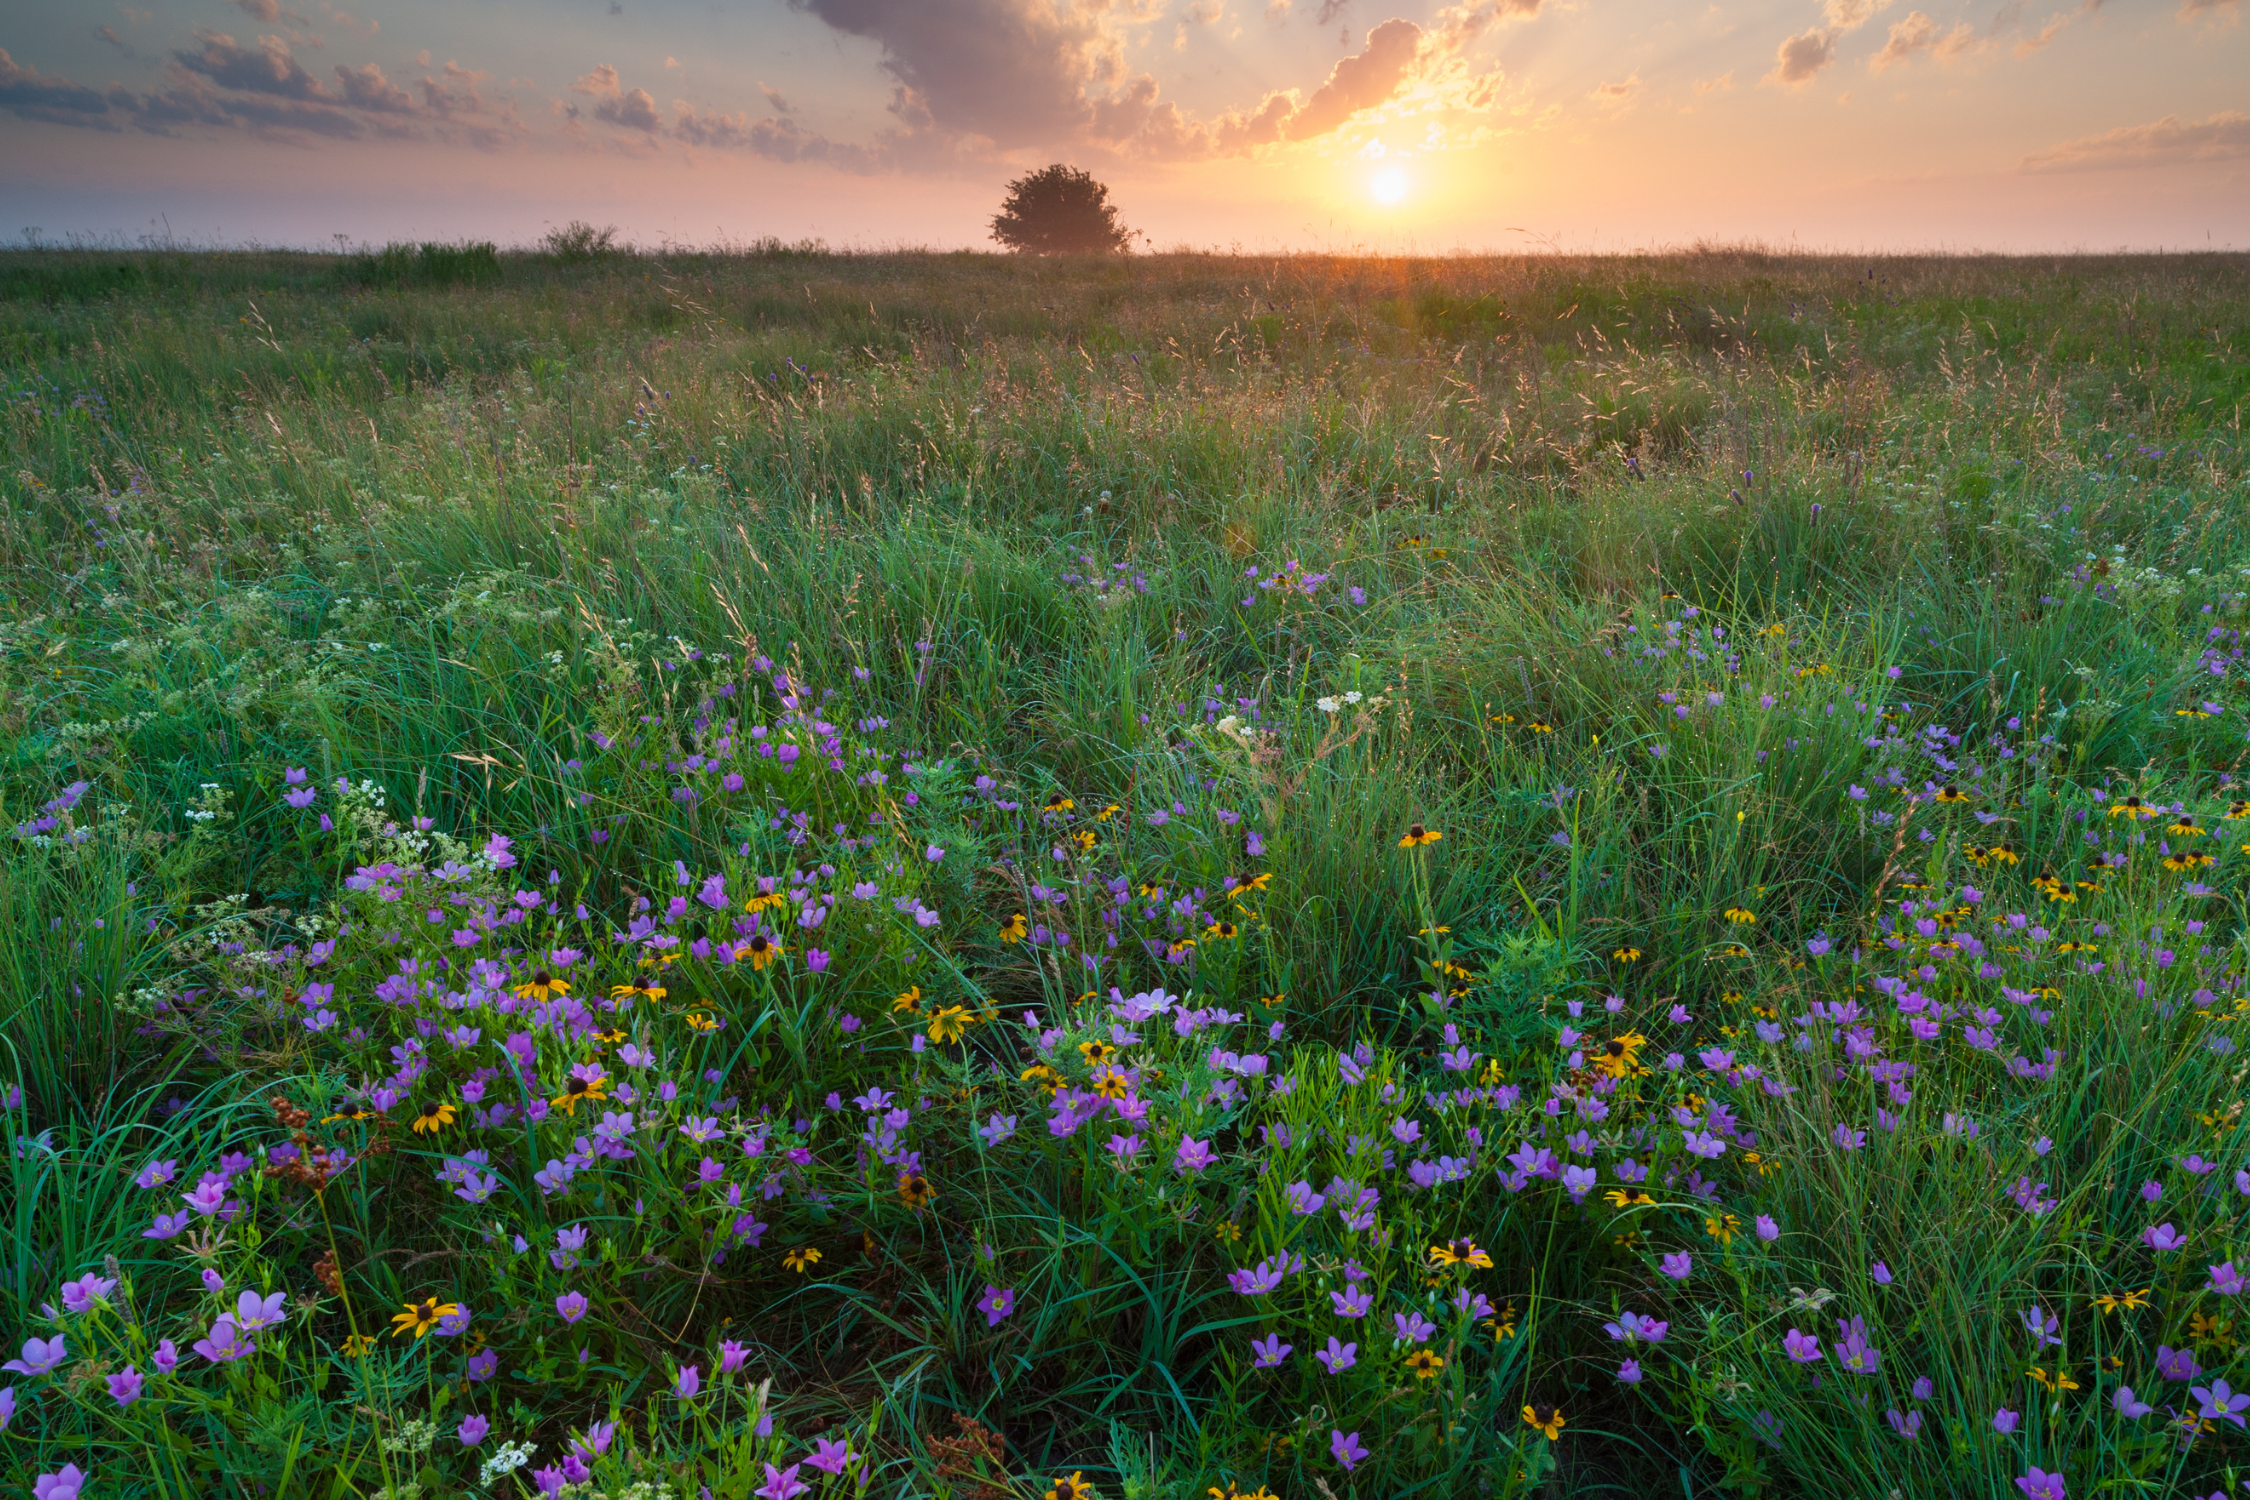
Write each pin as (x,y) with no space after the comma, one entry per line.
(365,87)
(634,110)
(267,68)
(1918,33)
(268,11)
(2167,142)
(601,83)
(774,99)
(1615,93)
(1718,85)
(110,36)
(1850,15)
(1800,58)
(34,95)
(1362,81)
(1017,72)
(2190,9)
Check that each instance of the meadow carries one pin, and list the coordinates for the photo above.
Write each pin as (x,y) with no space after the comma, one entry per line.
(1190,877)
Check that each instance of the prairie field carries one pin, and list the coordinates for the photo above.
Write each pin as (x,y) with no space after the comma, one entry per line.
(1161,878)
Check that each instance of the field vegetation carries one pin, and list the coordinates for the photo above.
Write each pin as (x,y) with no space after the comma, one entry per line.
(789,873)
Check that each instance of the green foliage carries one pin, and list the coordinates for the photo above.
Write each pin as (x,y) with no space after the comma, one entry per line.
(1774,643)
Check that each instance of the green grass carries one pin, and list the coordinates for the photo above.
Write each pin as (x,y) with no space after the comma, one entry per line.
(495,536)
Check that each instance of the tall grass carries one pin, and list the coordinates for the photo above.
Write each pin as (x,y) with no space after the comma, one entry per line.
(1685,583)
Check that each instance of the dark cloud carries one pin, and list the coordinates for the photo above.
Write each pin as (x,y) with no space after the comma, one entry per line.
(267,68)
(34,95)
(110,36)
(2167,142)
(1017,72)
(365,87)
(634,109)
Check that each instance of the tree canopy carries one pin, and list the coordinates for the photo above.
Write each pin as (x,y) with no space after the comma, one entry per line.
(1060,210)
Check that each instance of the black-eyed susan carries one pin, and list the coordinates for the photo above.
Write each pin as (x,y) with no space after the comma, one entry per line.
(1626,955)
(909,999)
(358,1344)
(758,952)
(1627,1197)
(801,1260)
(1546,1419)
(1416,836)
(1073,1488)
(1460,1252)
(1084,840)
(420,1317)
(2110,1302)
(2237,811)
(353,1113)
(914,1190)
(1424,1364)
(1722,1227)
(1257,882)
(1540,726)
(1046,1077)
(950,1024)
(433,1116)
(2131,807)
(586,1083)
(766,901)
(1096,1052)
(1057,803)
(650,984)
(1111,1082)
(1951,793)
(1221,930)
(1111,811)
(2185,827)
(1619,1057)
(1741,916)
(541,986)
(1013,930)
(2208,1330)
(698,1021)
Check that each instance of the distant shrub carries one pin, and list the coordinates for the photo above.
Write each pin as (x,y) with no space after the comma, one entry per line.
(471,262)
(580,241)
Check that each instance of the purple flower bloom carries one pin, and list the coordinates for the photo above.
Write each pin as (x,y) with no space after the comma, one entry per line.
(1853,1351)
(483,1365)
(996,1304)
(1768,1230)
(1411,1327)
(7,1406)
(2219,1402)
(81,1295)
(1352,1302)
(1803,1347)
(2042,1327)
(166,1358)
(1194,1155)
(225,1342)
(254,1312)
(688,1382)
(472,1430)
(828,1457)
(1924,1388)
(2128,1404)
(1629,1373)
(156,1174)
(1346,1448)
(39,1356)
(125,1386)
(571,1305)
(1907,1425)
(1337,1357)
(1678,1265)
(2225,1279)
(60,1486)
(731,1356)
(2041,1485)
(1631,1327)
(1881,1273)
(2176,1364)
(782,1484)
(2162,1237)
(1272,1351)
(2004,1421)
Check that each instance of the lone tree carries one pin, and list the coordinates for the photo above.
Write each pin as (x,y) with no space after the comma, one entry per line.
(1059,210)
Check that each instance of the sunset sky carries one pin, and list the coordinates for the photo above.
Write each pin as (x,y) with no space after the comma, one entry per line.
(1264,124)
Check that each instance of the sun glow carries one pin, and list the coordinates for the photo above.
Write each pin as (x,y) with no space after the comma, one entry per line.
(1388,185)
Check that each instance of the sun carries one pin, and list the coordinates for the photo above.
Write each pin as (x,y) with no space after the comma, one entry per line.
(1388,185)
